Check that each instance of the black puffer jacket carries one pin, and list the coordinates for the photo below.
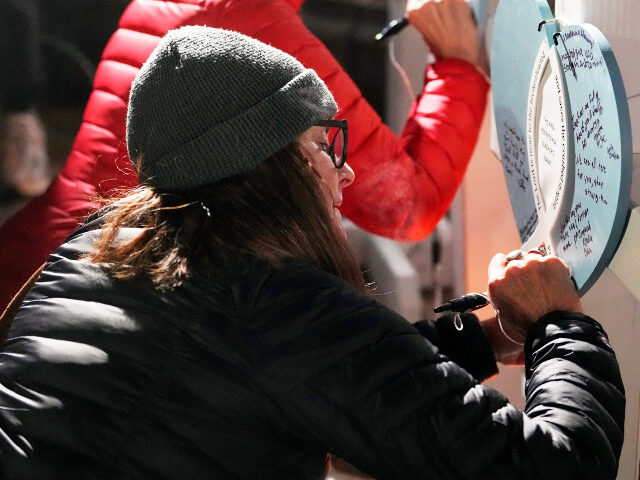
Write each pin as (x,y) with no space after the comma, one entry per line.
(259,372)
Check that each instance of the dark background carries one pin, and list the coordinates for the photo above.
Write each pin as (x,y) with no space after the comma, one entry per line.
(74,33)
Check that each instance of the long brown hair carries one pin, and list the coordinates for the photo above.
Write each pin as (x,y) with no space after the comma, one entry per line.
(275,211)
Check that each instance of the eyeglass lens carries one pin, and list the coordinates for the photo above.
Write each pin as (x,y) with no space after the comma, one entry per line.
(336,138)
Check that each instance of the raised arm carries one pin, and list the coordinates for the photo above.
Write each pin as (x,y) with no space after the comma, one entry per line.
(403,185)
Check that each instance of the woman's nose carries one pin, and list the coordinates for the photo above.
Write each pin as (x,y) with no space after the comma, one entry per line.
(347,175)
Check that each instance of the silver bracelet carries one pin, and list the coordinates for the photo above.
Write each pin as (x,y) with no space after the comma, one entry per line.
(500,321)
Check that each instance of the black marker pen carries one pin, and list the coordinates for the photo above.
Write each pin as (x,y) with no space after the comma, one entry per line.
(396,26)
(470,301)
(393,27)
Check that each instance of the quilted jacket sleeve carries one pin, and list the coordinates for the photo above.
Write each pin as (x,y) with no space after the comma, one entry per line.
(361,383)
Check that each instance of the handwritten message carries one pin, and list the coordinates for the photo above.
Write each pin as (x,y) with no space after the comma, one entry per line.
(576,230)
(580,57)
(593,152)
(514,156)
(591,174)
(587,122)
(515,165)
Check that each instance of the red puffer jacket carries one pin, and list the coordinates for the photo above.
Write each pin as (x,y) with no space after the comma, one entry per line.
(403,186)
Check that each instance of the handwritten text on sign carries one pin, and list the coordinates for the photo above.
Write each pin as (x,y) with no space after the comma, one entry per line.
(585,226)
(516,169)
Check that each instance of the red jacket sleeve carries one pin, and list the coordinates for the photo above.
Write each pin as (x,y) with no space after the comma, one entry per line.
(403,185)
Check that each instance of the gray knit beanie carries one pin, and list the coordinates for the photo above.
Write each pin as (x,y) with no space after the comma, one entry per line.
(210,103)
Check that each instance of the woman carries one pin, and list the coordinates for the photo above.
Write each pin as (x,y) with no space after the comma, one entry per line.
(415,175)
(211,324)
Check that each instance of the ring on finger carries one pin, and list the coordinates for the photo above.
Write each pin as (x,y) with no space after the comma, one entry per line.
(514,255)
(541,250)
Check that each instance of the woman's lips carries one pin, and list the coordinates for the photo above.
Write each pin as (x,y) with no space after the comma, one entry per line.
(336,207)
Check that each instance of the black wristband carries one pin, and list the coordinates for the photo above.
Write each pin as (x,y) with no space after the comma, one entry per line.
(469,347)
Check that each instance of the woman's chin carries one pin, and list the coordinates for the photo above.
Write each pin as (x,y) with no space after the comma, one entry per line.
(338,218)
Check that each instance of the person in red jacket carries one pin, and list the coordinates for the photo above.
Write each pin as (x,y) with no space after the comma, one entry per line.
(405,185)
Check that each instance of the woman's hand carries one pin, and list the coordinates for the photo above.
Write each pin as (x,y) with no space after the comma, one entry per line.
(447,27)
(525,289)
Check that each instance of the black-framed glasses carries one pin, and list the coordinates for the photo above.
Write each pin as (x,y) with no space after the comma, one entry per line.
(337,138)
